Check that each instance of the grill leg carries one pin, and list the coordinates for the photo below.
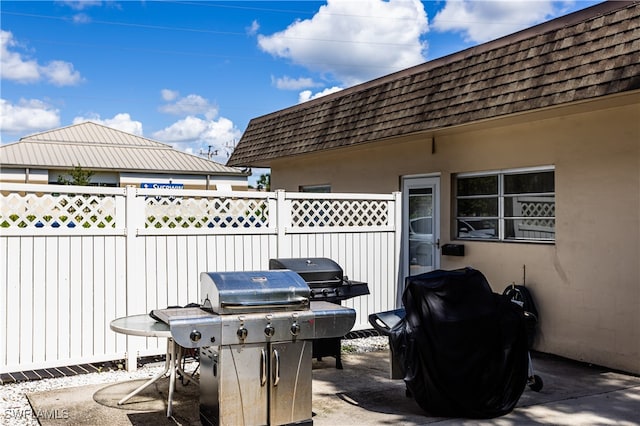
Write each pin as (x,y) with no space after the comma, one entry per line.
(328,347)
(339,361)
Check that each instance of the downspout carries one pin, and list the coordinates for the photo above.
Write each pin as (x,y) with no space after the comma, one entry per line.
(26,175)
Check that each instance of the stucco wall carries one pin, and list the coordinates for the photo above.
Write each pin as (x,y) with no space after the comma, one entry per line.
(23,175)
(224,183)
(587,284)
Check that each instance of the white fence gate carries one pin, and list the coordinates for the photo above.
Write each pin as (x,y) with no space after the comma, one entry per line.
(72,259)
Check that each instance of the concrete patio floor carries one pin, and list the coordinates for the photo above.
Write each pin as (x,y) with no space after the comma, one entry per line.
(362,394)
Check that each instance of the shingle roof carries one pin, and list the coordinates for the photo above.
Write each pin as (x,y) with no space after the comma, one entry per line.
(584,55)
(96,147)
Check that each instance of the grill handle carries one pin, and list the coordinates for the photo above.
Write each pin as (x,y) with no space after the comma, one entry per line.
(276,369)
(301,301)
(263,368)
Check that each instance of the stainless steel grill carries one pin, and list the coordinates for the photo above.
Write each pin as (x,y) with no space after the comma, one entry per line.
(328,283)
(254,331)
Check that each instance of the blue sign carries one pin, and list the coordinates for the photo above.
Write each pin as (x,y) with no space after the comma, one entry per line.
(162,185)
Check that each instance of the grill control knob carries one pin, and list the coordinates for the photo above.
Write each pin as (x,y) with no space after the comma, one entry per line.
(195,336)
(242,332)
(269,330)
(295,328)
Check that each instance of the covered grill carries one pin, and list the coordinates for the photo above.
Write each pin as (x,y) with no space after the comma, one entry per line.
(254,331)
(327,283)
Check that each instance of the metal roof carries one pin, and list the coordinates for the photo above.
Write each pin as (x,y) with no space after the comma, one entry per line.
(96,147)
(591,53)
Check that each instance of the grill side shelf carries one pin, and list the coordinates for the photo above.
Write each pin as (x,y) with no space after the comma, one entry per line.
(196,332)
(332,320)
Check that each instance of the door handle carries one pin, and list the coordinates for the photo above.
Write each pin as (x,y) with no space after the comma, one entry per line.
(276,367)
(437,244)
(263,368)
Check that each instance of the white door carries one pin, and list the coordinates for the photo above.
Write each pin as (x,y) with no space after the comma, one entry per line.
(420,224)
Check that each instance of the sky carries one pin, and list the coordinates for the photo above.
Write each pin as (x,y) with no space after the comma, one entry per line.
(192,74)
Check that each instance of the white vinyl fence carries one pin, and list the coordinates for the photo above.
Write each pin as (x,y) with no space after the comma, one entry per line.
(72,259)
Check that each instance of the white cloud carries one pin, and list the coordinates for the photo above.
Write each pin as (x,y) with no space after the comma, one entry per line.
(23,70)
(187,129)
(288,83)
(121,121)
(81,18)
(193,131)
(28,116)
(480,21)
(13,66)
(61,73)
(253,29)
(307,95)
(189,105)
(169,95)
(200,128)
(80,4)
(354,41)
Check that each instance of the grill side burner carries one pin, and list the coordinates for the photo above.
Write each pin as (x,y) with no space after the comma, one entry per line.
(254,331)
(324,277)
(327,283)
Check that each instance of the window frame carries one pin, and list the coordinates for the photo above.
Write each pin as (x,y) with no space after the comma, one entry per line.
(500,197)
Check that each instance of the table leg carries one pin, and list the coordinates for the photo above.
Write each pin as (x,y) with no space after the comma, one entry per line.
(154,378)
(179,369)
(172,376)
(176,360)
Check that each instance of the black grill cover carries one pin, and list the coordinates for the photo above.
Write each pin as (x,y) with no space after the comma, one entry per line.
(463,347)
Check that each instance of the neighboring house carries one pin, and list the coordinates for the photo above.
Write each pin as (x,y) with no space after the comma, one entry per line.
(524,152)
(117,159)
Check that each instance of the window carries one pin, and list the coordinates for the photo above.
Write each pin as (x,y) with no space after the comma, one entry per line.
(315,188)
(506,206)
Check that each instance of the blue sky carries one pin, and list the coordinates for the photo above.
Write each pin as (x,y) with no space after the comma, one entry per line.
(193,73)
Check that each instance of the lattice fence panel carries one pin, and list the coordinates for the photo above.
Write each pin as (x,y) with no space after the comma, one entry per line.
(218,212)
(32,210)
(339,213)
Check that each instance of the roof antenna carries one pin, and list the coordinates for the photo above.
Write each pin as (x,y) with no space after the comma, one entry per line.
(210,153)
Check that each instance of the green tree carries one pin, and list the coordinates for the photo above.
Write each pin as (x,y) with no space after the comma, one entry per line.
(76,176)
(264,182)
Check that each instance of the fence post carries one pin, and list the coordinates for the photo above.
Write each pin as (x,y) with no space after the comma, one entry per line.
(283,218)
(135,286)
(397,224)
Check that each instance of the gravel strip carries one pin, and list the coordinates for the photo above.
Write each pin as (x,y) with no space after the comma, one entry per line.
(16,411)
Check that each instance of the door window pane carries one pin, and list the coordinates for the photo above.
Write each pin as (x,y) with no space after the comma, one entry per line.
(421,250)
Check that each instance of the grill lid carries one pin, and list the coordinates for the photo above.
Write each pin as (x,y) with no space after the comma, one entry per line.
(253,291)
(314,270)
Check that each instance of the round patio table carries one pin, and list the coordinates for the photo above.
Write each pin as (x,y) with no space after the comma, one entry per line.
(145,326)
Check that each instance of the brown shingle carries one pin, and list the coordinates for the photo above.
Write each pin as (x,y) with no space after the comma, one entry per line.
(591,53)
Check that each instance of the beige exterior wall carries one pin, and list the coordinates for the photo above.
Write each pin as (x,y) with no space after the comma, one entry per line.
(223,183)
(42,176)
(23,175)
(587,284)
